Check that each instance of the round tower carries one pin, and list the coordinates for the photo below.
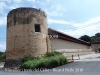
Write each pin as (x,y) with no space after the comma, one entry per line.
(25,30)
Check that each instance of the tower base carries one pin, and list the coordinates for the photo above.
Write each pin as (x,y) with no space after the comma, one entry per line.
(12,63)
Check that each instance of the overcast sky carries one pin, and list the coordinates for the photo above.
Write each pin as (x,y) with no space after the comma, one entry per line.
(72,17)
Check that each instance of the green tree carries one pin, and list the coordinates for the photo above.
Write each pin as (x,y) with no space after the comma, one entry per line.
(95,39)
(2,56)
(85,38)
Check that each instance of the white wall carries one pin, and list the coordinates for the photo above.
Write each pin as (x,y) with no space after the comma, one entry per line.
(63,44)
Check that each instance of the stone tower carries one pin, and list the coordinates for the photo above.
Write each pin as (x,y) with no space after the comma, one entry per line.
(26,28)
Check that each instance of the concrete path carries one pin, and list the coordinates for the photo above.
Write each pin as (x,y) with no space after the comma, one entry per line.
(89,57)
(81,67)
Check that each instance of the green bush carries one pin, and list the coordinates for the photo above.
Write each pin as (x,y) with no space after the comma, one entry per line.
(29,64)
(42,63)
(49,54)
(29,57)
(48,61)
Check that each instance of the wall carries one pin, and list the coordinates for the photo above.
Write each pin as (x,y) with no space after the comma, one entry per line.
(95,46)
(63,44)
(70,49)
(21,36)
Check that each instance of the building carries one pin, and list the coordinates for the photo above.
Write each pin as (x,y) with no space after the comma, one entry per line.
(25,30)
(69,45)
(95,46)
(64,41)
(28,33)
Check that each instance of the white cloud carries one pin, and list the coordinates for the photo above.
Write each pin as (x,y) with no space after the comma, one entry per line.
(50,21)
(43,3)
(11,5)
(3,47)
(55,10)
(9,1)
(17,1)
(14,4)
(90,22)
(53,13)
(85,31)
(3,21)
(31,0)
(48,1)
(90,28)
(58,8)
(2,6)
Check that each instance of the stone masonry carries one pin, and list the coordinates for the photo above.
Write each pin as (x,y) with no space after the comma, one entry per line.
(25,30)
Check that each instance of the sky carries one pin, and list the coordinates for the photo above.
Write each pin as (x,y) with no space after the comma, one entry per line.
(72,17)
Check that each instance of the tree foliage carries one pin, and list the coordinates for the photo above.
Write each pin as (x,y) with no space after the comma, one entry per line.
(85,38)
(90,39)
(49,60)
(2,56)
(95,39)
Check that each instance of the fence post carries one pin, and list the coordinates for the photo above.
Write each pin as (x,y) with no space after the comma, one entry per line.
(79,56)
(72,58)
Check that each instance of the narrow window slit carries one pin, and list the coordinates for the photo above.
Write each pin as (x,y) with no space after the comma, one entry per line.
(37,28)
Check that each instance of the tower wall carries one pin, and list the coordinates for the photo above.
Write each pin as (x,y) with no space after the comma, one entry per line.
(22,37)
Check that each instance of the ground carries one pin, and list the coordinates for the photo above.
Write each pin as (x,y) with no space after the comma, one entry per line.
(88,65)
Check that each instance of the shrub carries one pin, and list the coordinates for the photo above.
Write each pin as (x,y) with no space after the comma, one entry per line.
(50,60)
(28,57)
(29,64)
(62,59)
(53,61)
(49,54)
(42,63)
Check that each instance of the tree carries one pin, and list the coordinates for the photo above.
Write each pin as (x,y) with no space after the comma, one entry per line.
(2,56)
(95,39)
(85,38)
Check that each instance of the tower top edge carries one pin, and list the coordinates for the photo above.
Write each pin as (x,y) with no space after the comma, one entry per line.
(25,9)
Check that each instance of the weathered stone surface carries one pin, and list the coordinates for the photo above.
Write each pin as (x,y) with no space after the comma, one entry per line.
(49,45)
(21,36)
(95,46)
(12,63)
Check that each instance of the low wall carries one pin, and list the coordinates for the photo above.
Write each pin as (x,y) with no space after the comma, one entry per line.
(71,53)
(95,46)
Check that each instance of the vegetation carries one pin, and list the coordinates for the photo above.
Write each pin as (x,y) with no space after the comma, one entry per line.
(2,56)
(49,60)
(49,54)
(85,38)
(29,57)
(90,39)
(95,39)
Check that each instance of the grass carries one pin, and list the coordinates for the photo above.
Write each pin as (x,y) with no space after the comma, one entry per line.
(49,60)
